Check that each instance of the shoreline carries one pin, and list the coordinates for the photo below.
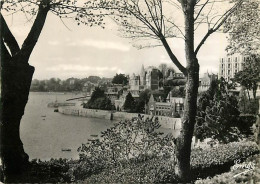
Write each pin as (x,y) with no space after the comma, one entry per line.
(165,122)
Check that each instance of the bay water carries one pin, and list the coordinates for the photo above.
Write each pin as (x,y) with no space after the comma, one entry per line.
(45,133)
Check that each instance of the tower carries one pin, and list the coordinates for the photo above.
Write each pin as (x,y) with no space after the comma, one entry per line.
(142,76)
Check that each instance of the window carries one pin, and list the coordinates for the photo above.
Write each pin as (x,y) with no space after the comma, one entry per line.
(235,65)
(228,72)
(228,59)
(235,59)
(228,65)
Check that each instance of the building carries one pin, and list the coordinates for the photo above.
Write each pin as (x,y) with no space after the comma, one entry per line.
(135,86)
(113,92)
(230,65)
(149,78)
(172,106)
(178,75)
(152,78)
(170,77)
(142,76)
(205,81)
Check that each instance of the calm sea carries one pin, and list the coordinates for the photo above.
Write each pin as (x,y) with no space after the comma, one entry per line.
(45,133)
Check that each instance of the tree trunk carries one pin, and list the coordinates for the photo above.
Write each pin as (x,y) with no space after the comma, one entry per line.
(185,138)
(16,76)
(254,88)
(183,143)
(16,81)
(248,95)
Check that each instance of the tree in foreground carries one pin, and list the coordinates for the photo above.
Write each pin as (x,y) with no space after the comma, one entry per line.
(16,73)
(243,27)
(247,106)
(160,21)
(218,114)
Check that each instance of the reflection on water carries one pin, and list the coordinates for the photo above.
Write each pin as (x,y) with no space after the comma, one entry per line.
(45,132)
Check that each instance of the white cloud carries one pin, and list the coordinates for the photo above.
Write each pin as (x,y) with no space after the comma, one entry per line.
(80,68)
(75,59)
(56,59)
(72,44)
(99,44)
(53,43)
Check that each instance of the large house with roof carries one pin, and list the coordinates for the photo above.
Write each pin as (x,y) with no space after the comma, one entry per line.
(172,107)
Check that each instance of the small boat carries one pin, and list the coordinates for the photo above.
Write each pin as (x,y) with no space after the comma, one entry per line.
(90,140)
(56,110)
(65,149)
(43,116)
(58,104)
(53,104)
(94,135)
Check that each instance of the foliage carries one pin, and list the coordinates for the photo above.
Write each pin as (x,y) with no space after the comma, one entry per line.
(250,75)
(155,170)
(176,82)
(204,163)
(245,124)
(221,154)
(166,70)
(146,169)
(130,103)
(243,27)
(120,79)
(52,171)
(228,177)
(142,101)
(56,84)
(217,114)
(93,79)
(86,15)
(97,93)
(176,115)
(247,106)
(99,100)
(126,142)
(156,20)
(178,92)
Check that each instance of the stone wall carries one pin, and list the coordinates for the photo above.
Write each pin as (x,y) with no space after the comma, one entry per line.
(166,122)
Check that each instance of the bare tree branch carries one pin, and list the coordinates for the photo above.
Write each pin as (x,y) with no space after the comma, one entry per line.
(224,17)
(176,27)
(35,31)
(218,24)
(200,10)
(173,57)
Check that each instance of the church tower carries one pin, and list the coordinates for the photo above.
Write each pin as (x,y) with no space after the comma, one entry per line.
(142,76)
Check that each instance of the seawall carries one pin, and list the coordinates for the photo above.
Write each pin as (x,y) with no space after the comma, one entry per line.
(166,122)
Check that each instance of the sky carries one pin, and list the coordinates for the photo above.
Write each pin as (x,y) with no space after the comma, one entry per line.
(80,51)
